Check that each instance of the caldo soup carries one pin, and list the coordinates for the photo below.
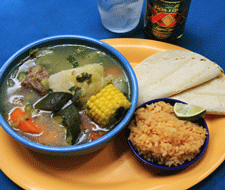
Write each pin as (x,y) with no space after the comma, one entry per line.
(65,95)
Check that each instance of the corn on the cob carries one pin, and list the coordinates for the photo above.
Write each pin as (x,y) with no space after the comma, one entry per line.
(103,106)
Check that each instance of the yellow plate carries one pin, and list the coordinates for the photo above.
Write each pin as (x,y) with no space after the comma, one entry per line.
(115,166)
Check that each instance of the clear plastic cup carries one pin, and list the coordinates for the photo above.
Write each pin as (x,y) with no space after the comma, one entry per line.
(120,16)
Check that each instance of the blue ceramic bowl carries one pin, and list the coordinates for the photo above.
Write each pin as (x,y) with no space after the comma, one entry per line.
(72,39)
(201,122)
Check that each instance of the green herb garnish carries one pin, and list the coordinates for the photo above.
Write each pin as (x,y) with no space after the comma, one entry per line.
(84,77)
(72,61)
(33,52)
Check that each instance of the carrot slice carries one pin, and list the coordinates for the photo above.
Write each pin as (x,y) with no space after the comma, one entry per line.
(16,114)
(96,135)
(24,124)
(29,127)
(113,71)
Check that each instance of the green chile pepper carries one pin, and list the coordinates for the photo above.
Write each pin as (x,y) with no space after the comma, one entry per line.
(53,101)
(72,121)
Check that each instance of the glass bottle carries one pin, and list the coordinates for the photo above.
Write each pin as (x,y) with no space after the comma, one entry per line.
(165,19)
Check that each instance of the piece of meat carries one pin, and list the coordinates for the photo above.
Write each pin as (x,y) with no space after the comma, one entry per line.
(34,77)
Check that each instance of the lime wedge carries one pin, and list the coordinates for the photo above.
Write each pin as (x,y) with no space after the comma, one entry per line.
(188,112)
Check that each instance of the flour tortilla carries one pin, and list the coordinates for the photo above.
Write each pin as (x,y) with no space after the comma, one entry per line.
(210,95)
(170,72)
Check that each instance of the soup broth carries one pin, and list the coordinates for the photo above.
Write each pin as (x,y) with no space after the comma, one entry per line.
(66,76)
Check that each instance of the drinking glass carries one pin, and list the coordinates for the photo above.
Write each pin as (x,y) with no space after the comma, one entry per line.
(120,16)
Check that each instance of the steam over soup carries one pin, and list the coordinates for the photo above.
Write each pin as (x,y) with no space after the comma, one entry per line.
(54,96)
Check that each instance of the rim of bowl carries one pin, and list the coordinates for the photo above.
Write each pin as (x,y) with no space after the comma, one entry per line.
(202,149)
(105,47)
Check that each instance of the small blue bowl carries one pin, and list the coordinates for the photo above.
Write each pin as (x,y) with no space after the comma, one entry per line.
(82,40)
(201,122)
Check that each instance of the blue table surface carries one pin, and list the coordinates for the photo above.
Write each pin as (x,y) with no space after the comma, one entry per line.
(24,21)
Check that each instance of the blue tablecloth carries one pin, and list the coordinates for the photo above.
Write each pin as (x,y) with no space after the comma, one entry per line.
(24,21)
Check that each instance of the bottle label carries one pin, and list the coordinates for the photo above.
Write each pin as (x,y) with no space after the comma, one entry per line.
(165,19)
